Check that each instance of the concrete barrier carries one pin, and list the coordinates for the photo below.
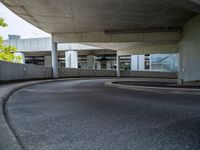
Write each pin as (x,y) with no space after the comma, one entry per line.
(14,71)
(73,72)
(148,74)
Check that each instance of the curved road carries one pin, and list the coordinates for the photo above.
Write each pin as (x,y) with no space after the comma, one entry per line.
(86,115)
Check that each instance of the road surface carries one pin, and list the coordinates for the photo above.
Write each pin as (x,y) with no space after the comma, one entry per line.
(86,115)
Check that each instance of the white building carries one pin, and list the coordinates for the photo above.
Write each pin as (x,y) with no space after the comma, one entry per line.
(38,51)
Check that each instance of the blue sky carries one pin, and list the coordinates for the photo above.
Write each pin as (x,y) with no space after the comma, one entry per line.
(18,26)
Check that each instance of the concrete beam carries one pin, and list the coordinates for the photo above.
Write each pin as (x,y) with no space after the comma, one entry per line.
(109,38)
(173,48)
(193,5)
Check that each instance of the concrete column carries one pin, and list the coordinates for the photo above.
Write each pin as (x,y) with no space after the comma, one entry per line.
(90,62)
(118,66)
(134,62)
(108,66)
(71,59)
(54,57)
(141,62)
(47,60)
(67,59)
(189,51)
(98,65)
(137,63)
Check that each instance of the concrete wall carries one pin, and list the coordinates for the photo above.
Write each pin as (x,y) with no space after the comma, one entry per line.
(190,51)
(73,72)
(13,71)
(148,74)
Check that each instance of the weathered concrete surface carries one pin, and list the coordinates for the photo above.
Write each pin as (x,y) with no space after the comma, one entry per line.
(137,43)
(73,72)
(149,49)
(87,115)
(189,49)
(156,86)
(14,71)
(102,37)
(44,45)
(111,22)
(148,74)
(111,16)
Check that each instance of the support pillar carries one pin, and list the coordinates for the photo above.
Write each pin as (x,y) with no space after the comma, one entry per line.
(134,62)
(90,62)
(189,70)
(47,61)
(98,65)
(54,57)
(118,66)
(71,59)
(108,66)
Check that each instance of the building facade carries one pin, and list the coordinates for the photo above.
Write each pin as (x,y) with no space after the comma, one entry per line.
(38,51)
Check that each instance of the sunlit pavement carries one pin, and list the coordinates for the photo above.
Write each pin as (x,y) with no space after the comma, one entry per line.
(86,115)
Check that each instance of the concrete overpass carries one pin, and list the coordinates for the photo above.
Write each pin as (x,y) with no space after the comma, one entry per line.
(38,51)
(130,26)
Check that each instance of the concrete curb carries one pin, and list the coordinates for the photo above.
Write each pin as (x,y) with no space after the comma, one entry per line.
(155,89)
(8,141)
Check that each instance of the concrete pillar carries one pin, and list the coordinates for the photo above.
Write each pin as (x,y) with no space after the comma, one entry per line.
(108,65)
(189,51)
(137,63)
(67,59)
(141,62)
(71,59)
(134,62)
(98,65)
(54,57)
(118,66)
(47,60)
(90,62)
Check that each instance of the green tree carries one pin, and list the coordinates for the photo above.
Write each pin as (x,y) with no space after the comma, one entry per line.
(7,53)
(2,23)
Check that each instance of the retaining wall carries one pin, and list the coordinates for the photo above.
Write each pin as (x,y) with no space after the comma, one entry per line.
(72,72)
(14,71)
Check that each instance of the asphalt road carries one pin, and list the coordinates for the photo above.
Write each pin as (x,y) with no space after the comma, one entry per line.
(86,115)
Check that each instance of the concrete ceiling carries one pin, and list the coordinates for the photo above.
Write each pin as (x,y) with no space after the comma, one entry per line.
(111,24)
(58,16)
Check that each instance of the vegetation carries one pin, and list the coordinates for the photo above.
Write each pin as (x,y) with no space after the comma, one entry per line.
(7,53)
